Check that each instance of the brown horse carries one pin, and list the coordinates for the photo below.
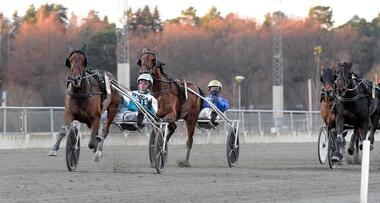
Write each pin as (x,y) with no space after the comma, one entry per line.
(85,100)
(168,93)
(328,77)
(327,98)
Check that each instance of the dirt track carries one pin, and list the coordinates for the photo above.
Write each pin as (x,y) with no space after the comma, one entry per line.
(265,173)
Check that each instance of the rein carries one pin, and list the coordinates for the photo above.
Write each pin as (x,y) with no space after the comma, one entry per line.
(350,99)
(345,99)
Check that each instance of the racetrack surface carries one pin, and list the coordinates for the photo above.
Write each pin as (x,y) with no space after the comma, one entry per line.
(283,172)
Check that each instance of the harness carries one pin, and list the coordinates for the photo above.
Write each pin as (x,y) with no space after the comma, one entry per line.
(180,89)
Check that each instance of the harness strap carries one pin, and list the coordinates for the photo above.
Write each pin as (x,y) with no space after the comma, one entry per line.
(344,99)
(78,95)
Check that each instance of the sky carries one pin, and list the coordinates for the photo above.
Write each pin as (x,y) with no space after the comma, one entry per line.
(343,10)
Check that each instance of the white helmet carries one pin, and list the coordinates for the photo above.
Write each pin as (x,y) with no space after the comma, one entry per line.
(145,76)
(215,83)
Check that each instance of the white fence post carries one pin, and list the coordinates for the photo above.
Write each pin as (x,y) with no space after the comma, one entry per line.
(365,172)
(51,121)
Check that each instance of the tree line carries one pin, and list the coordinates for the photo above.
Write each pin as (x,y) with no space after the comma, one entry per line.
(196,48)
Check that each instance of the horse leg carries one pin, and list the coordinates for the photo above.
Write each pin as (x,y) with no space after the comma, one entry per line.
(171,127)
(374,124)
(363,130)
(337,155)
(170,118)
(111,114)
(190,126)
(93,143)
(62,133)
(351,146)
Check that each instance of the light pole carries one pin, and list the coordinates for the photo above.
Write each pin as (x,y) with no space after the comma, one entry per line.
(317,54)
(238,80)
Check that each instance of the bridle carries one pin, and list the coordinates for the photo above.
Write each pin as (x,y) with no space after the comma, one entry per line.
(82,78)
(149,69)
(76,66)
(347,89)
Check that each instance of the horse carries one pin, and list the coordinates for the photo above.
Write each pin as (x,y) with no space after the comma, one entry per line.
(86,99)
(354,106)
(327,97)
(172,103)
(328,77)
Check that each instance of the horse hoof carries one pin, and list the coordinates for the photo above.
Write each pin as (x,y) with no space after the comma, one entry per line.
(183,163)
(97,156)
(53,153)
(351,151)
(371,147)
(91,146)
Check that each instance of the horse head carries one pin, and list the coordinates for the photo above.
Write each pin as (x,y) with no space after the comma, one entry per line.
(77,62)
(327,79)
(344,79)
(148,62)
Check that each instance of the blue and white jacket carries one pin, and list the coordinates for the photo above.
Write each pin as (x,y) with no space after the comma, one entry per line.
(221,103)
(127,105)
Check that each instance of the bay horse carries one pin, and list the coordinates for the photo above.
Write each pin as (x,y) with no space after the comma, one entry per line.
(86,99)
(171,105)
(327,97)
(354,106)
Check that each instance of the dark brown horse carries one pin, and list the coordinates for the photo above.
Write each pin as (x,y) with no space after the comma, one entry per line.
(355,105)
(328,77)
(168,94)
(86,99)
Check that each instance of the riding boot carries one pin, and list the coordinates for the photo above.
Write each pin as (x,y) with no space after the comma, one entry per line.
(213,118)
(140,118)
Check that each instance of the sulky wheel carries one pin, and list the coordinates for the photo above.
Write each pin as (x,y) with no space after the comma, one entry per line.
(151,148)
(323,144)
(232,149)
(331,146)
(72,148)
(161,154)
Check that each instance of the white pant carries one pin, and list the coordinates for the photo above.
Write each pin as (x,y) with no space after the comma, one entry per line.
(122,116)
(205,114)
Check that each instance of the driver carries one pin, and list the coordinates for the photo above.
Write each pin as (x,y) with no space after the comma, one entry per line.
(128,111)
(214,89)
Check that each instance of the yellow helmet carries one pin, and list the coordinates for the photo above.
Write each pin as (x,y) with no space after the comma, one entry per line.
(215,83)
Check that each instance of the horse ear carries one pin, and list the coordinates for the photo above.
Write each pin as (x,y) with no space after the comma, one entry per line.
(321,68)
(67,63)
(155,50)
(138,62)
(83,48)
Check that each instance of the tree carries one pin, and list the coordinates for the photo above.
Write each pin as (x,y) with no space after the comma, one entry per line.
(322,14)
(101,52)
(189,17)
(157,26)
(213,14)
(360,24)
(30,15)
(267,20)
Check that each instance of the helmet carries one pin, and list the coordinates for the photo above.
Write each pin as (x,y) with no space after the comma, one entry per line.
(215,83)
(145,76)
